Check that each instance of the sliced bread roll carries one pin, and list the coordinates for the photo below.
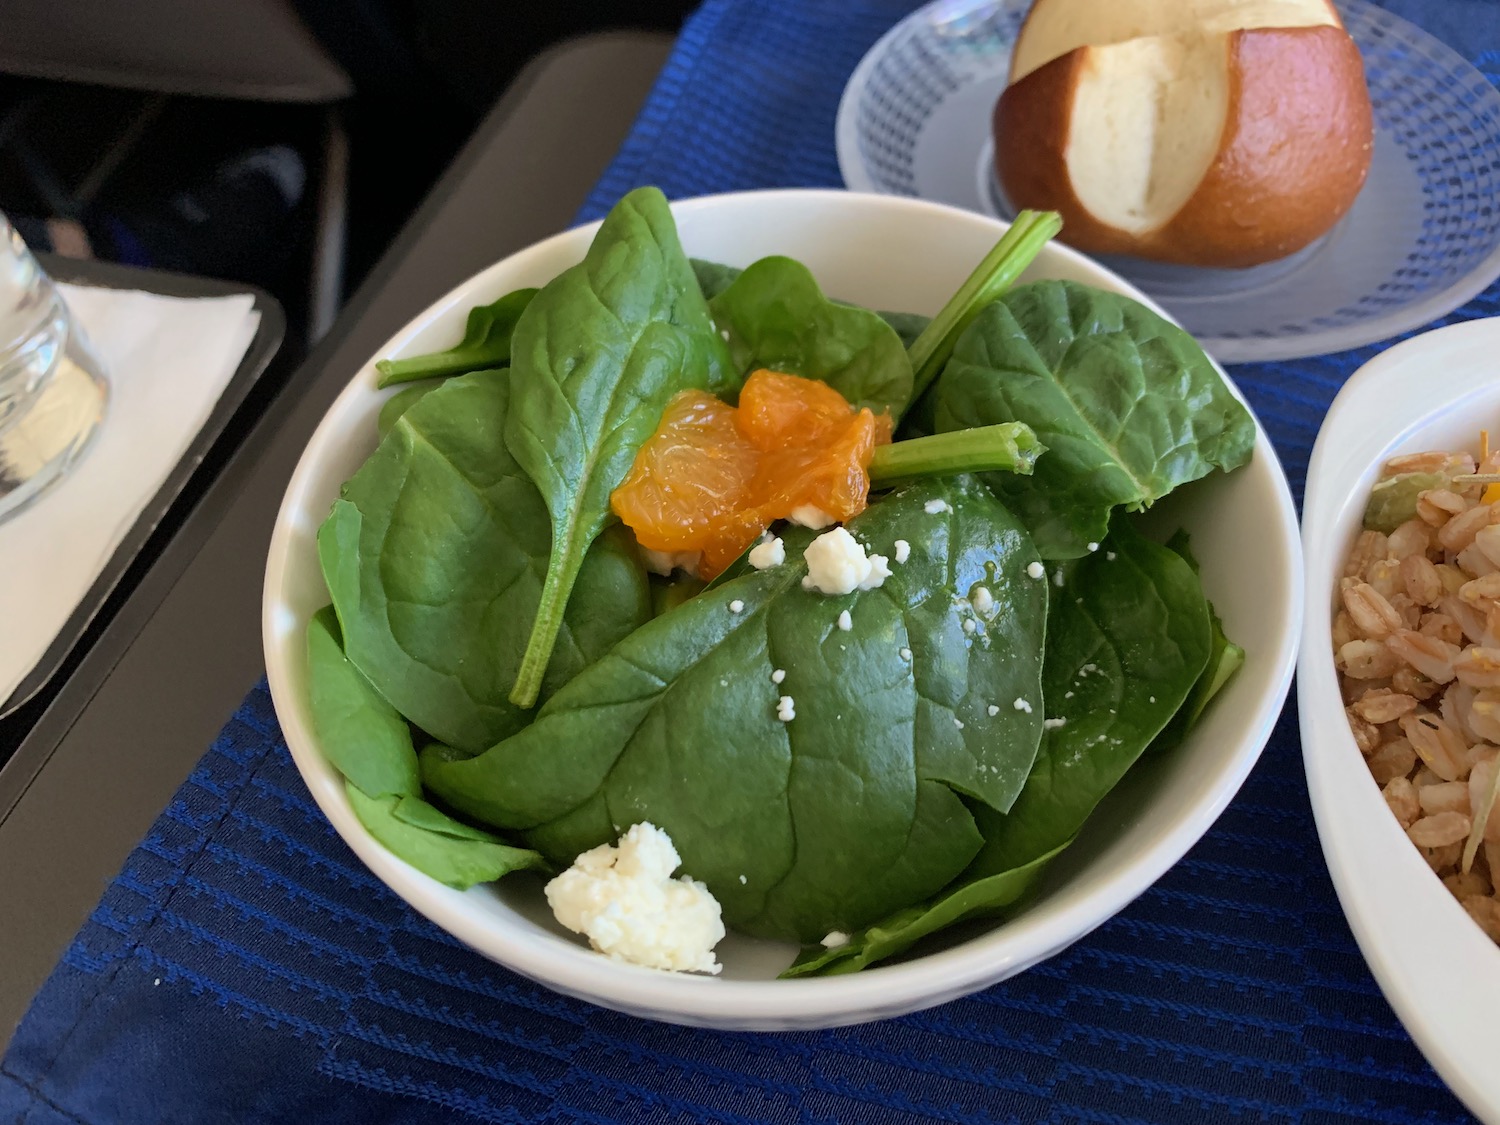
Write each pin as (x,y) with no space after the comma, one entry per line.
(1208,132)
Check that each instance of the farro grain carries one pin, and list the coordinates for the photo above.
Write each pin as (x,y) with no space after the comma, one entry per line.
(1485,911)
(1421,580)
(1439,830)
(1432,656)
(1443,860)
(1401,798)
(1392,760)
(1439,746)
(1411,540)
(1448,796)
(1466,884)
(1372,613)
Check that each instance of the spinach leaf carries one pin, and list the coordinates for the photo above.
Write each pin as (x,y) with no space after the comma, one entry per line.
(486,343)
(1126,639)
(973,897)
(714,278)
(852,808)
(908,326)
(775,316)
(434,558)
(437,845)
(597,355)
(358,731)
(1224,660)
(429,818)
(371,746)
(400,402)
(669,593)
(1127,405)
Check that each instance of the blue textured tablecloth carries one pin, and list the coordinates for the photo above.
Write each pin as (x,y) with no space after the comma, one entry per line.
(245,967)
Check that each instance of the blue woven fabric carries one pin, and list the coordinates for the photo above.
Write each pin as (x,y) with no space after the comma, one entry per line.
(245,967)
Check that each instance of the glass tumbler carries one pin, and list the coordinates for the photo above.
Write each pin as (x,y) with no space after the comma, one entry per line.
(53,392)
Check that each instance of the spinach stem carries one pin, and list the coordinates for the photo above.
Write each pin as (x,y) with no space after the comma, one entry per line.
(1016,250)
(415,367)
(1008,447)
(562,572)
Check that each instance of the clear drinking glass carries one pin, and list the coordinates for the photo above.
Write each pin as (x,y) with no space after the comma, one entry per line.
(53,392)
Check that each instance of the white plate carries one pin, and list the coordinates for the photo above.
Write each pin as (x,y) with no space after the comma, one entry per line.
(882,252)
(1422,239)
(1438,970)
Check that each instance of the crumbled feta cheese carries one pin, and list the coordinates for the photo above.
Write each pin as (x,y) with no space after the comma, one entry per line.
(981,599)
(1093,546)
(845,621)
(1035,570)
(630,908)
(1057,579)
(903,550)
(837,565)
(742,880)
(1053,724)
(1152,699)
(905,654)
(970,626)
(778,675)
(834,939)
(768,553)
(1022,705)
(810,515)
(724,332)
(959,723)
(936,507)
(665,562)
(993,709)
(736,606)
(786,708)
(1109,556)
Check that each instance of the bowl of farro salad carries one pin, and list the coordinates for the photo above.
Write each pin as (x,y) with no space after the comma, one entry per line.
(1399,685)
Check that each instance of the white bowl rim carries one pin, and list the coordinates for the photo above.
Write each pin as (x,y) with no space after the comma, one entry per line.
(1329,752)
(821,1001)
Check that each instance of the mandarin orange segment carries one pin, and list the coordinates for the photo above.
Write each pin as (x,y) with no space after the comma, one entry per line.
(713,477)
(781,411)
(831,476)
(691,476)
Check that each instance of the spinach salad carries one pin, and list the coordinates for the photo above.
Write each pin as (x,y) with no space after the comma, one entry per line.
(504,684)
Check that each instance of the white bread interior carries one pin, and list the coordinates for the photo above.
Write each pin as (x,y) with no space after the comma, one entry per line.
(1056,27)
(1147,118)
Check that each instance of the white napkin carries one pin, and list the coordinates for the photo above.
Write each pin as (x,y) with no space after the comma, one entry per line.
(168,359)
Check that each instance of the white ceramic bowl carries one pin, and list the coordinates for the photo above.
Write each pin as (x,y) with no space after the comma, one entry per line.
(888,253)
(1440,973)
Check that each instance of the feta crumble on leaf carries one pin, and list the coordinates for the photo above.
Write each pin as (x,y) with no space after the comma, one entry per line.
(768,553)
(624,900)
(810,516)
(838,565)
